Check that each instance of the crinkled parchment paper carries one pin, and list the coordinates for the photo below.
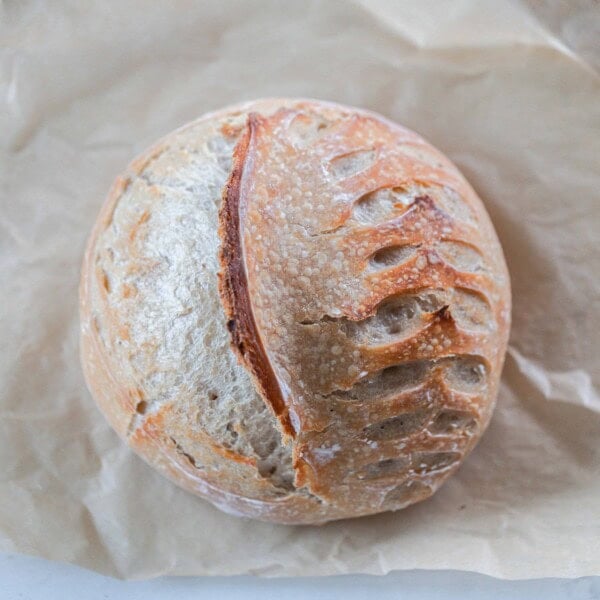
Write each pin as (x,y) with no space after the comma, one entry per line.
(509,91)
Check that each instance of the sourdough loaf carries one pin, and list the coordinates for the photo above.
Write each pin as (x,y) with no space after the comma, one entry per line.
(296,310)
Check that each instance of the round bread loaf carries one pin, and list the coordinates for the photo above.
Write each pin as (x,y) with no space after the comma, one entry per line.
(296,310)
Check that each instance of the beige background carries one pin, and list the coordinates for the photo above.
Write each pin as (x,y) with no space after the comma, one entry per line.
(510,93)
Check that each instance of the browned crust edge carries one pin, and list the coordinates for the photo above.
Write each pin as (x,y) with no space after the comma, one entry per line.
(233,286)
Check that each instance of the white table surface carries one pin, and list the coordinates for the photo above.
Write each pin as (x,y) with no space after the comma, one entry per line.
(26,578)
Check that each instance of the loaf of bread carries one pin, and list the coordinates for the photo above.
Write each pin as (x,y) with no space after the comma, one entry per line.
(296,310)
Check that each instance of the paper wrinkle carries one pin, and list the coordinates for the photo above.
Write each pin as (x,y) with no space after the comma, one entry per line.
(498,24)
(574,386)
(504,88)
(578,31)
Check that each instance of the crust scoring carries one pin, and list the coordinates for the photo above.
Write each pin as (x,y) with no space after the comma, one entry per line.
(233,287)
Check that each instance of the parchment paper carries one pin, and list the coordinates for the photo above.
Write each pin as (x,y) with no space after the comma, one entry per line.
(508,91)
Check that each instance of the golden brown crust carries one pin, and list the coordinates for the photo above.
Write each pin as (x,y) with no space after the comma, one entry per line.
(370,296)
(321,292)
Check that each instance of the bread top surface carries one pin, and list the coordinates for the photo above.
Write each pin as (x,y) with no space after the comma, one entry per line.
(362,288)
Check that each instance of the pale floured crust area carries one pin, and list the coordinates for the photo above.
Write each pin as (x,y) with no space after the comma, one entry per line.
(296,310)
(154,343)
